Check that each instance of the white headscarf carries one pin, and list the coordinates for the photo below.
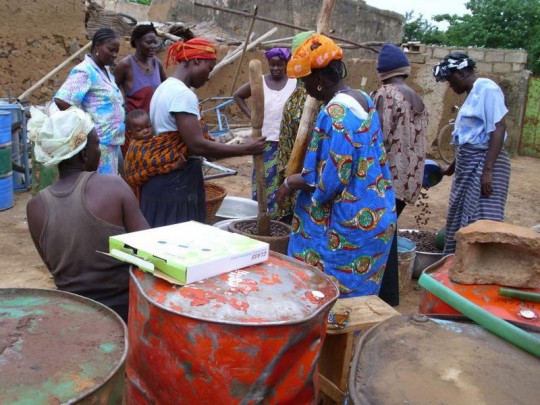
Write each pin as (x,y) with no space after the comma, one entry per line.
(59,136)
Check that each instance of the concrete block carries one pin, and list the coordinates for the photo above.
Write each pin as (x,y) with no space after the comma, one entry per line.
(494,56)
(477,54)
(484,67)
(490,252)
(517,67)
(502,67)
(516,57)
(440,53)
(416,57)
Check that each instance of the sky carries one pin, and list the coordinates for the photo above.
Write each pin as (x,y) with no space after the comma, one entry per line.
(427,8)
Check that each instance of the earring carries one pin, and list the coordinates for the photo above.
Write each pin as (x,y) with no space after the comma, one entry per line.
(97,53)
(319,87)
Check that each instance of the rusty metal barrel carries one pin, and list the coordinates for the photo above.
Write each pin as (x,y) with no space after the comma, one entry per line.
(59,348)
(248,336)
(436,360)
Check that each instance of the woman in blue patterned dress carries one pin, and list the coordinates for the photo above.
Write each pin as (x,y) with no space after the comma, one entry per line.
(345,217)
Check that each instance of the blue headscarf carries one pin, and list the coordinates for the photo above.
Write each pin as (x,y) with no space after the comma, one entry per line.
(281,53)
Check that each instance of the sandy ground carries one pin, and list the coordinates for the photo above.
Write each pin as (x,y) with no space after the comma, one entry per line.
(21,265)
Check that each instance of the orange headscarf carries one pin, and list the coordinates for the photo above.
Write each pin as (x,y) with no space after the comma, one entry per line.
(195,48)
(316,52)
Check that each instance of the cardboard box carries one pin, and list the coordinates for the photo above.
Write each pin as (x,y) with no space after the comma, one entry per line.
(189,251)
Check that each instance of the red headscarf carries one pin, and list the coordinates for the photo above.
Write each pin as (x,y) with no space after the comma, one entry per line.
(195,48)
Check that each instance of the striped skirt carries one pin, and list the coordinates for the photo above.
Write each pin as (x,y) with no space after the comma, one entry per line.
(467,204)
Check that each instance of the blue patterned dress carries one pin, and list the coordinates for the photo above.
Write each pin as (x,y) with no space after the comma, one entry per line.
(346,225)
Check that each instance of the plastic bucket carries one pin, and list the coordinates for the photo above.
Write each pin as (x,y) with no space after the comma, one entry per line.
(5,128)
(60,348)
(6,192)
(423,361)
(249,336)
(406,257)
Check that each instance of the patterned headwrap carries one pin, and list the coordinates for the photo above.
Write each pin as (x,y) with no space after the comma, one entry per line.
(299,38)
(453,61)
(281,53)
(195,48)
(60,136)
(316,52)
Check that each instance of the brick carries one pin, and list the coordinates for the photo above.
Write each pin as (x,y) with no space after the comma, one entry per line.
(440,53)
(477,55)
(416,57)
(484,67)
(494,56)
(516,57)
(490,252)
(502,67)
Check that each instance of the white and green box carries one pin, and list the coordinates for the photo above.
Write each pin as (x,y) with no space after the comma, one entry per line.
(189,251)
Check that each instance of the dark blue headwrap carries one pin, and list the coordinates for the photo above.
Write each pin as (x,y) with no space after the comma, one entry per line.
(281,53)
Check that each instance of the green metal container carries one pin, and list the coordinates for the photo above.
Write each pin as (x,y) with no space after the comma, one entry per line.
(59,348)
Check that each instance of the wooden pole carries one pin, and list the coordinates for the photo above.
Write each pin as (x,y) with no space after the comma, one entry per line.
(284,24)
(53,72)
(236,53)
(257,117)
(296,161)
(255,9)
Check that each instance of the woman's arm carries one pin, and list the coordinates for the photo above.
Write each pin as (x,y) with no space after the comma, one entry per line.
(61,104)
(240,97)
(191,133)
(496,141)
(120,75)
(162,73)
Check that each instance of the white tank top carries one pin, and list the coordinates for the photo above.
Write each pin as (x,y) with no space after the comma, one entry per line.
(274,101)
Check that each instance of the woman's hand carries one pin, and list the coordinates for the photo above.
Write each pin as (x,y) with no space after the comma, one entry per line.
(486,182)
(282,193)
(253,146)
(449,171)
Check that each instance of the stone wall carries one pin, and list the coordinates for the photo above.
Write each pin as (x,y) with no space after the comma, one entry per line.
(351,19)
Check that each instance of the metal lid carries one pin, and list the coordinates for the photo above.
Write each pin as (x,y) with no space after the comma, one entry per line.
(422,360)
(279,291)
(56,347)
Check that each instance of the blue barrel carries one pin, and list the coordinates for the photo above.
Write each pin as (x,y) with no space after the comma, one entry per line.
(6,192)
(5,128)
(5,160)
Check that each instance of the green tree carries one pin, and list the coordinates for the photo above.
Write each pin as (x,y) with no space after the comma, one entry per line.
(419,29)
(507,24)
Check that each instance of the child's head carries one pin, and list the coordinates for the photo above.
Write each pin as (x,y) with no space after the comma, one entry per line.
(138,124)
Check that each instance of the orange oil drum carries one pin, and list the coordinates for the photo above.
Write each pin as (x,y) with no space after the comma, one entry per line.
(249,336)
(485,296)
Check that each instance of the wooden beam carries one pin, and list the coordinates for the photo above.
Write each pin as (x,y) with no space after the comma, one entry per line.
(257,118)
(255,9)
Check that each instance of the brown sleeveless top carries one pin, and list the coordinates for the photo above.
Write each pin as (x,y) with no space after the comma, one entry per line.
(70,240)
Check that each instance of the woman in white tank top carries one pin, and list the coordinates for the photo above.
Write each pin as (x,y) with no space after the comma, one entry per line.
(277,89)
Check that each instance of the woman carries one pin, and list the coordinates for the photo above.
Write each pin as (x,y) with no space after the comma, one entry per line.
(344,218)
(91,87)
(277,89)
(404,121)
(290,122)
(481,166)
(169,195)
(71,221)
(139,75)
